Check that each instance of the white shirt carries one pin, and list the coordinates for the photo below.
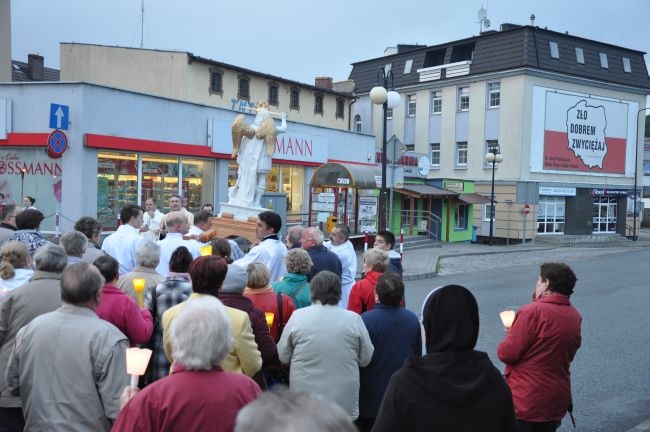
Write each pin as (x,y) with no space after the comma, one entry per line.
(122,245)
(348,257)
(167,247)
(270,252)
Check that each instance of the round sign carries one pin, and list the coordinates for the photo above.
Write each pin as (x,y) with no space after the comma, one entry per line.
(526,209)
(57,143)
(424,165)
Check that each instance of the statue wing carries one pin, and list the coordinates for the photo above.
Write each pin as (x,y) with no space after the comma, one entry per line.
(267,132)
(239,130)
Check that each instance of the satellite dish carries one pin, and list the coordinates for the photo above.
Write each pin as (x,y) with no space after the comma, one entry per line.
(486,23)
(482,13)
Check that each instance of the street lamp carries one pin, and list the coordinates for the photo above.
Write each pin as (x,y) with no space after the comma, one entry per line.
(383,94)
(493,157)
(636,168)
(22,184)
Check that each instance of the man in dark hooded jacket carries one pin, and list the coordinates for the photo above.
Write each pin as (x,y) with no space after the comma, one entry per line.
(453,387)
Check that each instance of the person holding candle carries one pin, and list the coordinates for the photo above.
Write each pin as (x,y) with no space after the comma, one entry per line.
(120,309)
(69,365)
(453,387)
(147,256)
(538,350)
(198,395)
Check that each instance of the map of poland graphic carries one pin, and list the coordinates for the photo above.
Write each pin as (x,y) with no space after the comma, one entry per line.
(586,133)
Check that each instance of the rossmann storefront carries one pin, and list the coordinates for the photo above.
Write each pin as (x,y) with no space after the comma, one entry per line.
(123,147)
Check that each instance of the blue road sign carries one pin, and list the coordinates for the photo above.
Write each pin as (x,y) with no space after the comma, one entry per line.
(59,115)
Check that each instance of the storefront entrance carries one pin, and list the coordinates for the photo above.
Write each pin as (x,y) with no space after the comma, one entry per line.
(551,215)
(605,214)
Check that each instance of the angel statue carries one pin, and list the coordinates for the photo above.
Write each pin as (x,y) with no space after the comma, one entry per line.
(253,145)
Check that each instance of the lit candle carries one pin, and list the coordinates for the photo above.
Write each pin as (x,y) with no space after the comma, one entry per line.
(138,287)
(206,250)
(137,360)
(507,318)
(269,318)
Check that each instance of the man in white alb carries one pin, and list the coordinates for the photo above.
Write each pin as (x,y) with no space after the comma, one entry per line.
(123,243)
(177,227)
(270,251)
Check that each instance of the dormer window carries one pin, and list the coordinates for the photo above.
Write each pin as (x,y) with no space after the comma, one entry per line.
(626,65)
(555,51)
(580,56)
(407,66)
(603,60)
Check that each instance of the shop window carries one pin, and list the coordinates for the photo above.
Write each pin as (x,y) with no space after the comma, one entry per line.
(273,94)
(117,185)
(604,214)
(550,215)
(318,103)
(461,217)
(340,108)
(197,186)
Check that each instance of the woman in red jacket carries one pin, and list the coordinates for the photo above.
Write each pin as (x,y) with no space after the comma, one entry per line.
(539,348)
(362,294)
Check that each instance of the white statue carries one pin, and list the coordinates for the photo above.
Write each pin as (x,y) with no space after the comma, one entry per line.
(253,145)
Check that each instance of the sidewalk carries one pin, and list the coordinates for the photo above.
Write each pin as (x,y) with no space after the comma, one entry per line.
(427,262)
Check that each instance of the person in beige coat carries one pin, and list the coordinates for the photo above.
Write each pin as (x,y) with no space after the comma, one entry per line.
(208,274)
(147,257)
(42,294)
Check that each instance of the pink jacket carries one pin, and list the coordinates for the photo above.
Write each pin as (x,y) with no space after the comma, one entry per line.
(119,309)
(537,352)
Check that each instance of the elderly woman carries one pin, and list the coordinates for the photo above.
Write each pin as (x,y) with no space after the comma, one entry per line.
(91,228)
(186,400)
(147,257)
(264,298)
(456,387)
(175,289)
(74,244)
(362,295)
(294,283)
(28,224)
(14,266)
(323,338)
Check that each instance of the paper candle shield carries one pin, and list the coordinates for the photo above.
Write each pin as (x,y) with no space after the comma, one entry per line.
(137,360)
(507,317)
(138,284)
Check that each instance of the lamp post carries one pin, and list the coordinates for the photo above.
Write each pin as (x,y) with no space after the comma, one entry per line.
(383,94)
(493,157)
(636,169)
(22,184)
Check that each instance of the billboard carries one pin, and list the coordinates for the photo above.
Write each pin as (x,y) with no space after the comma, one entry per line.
(583,134)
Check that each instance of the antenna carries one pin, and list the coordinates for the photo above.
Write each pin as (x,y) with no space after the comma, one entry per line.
(142,24)
(532,19)
(483,20)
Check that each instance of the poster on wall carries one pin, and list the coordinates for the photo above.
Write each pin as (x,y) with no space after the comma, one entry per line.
(368,214)
(32,173)
(579,133)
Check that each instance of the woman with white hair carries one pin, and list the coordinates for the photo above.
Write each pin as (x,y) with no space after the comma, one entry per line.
(147,257)
(14,266)
(187,399)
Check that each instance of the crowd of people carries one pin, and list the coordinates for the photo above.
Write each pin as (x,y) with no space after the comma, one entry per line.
(282,337)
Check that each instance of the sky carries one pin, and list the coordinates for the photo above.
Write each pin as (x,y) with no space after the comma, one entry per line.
(302,39)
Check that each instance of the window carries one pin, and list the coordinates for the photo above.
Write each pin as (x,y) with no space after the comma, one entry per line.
(494,95)
(357,123)
(489,145)
(555,52)
(460,217)
(243,89)
(273,94)
(626,65)
(294,99)
(580,56)
(389,113)
(488,212)
(463,98)
(409,147)
(407,66)
(436,102)
(411,103)
(435,155)
(550,215)
(603,60)
(318,103)
(216,81)
(461,154)
(340,108)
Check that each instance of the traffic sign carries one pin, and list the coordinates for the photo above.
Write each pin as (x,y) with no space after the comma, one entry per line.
(526,209)
(57,143)
(59,116)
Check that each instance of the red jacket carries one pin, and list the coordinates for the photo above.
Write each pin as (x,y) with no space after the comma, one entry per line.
(537,352)
(362,295)
(119,309)
(267,300)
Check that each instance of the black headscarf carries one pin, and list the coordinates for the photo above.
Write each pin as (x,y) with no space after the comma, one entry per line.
(450,319)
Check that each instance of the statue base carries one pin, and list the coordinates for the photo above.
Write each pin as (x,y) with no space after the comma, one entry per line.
(225,226)
(239,212)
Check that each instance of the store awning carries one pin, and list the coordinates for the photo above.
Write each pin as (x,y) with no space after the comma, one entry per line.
(346,175)
(473,198)
(419,191)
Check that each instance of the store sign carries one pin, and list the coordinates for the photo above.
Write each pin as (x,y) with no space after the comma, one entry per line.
(343,181)
(609,192)
(557,191)
(581,133)
(455,186)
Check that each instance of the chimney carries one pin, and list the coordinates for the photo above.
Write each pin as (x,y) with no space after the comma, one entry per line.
(35,67)
(323,82)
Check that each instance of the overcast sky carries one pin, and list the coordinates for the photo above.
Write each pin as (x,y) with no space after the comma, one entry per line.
(301,39)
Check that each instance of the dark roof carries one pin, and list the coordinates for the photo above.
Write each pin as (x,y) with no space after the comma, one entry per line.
(420,190)
(20,73)
(517,47)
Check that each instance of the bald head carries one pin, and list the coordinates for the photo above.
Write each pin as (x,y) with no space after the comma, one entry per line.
(177,222)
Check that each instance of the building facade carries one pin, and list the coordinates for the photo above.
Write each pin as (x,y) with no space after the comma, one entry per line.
(563,111)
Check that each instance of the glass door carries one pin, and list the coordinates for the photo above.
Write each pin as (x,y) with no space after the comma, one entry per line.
(604,217)
(550,215)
